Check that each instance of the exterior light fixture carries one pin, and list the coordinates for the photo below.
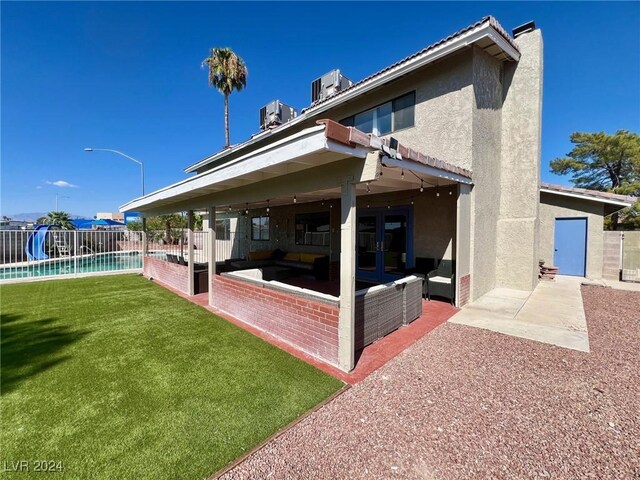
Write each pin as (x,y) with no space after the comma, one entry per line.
(411,200)
(402,174)
(421,185)
(322,202)
(268,206)
(368,188)
(295,200)
(246,209)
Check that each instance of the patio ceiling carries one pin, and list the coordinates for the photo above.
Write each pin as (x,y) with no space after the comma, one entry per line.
(310,165)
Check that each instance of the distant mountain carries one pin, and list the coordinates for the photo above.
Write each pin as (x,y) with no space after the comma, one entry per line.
(32,217)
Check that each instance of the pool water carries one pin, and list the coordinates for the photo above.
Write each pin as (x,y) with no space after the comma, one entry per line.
(102,262)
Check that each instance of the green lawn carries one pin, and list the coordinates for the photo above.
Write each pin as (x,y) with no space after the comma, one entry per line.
(117,377)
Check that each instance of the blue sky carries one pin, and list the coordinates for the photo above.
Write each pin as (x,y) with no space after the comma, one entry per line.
(127,76)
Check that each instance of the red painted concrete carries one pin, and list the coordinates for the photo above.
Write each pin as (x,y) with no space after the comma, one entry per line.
(370,359)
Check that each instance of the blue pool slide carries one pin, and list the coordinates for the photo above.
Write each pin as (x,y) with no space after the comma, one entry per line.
(35,243)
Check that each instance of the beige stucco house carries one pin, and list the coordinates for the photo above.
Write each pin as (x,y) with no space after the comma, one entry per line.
(432,161)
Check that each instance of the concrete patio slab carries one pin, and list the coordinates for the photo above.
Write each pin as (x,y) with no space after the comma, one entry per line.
(553,313)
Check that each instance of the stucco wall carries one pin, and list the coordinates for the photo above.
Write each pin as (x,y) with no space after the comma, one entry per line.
(558,206)
(486,108)
(518,227)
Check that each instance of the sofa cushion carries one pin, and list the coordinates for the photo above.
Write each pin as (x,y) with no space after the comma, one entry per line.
(309,257)
(292,257)
(440,280)
(298,265)
(261,255)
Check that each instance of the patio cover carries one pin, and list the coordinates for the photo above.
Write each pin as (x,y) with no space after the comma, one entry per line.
(309,161)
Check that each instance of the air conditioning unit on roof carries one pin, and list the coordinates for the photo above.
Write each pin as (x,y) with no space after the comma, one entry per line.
(276,113)
(328,84)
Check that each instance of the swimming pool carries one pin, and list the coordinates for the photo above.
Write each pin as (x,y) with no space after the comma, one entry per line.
(101,262)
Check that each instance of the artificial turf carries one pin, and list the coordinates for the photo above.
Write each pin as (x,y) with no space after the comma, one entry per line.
(116,377)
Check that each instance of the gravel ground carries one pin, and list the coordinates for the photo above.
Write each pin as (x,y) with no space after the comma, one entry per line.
(469,403)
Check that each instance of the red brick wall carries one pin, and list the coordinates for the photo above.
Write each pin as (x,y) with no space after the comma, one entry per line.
(465,288)
(172,274)
(305,324)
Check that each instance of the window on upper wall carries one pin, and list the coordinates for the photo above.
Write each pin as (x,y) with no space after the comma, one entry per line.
(260,228)
(397,114)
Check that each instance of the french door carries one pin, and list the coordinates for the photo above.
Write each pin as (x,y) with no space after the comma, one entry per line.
(384,244)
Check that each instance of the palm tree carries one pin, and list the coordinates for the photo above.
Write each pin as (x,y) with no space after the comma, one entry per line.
(227,72)
(62,219)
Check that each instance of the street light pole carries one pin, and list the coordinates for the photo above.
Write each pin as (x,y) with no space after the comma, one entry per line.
(59,196)
(124,155)
(144,220)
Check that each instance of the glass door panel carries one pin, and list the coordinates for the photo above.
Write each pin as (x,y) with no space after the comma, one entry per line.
(384,244)
(394,244)
(367,243)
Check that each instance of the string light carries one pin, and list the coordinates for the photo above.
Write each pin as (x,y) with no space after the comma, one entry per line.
(322,202)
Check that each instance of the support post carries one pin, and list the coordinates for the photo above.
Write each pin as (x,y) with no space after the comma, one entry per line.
(76,252)
(145,244)
(190,254)
(212,252)
(346,321)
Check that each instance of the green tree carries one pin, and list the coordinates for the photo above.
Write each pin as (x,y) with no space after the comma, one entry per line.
(604,162)
(166,226)
(62,219)
(227,72)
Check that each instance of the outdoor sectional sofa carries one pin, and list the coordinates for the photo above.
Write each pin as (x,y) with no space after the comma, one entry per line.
(299,262)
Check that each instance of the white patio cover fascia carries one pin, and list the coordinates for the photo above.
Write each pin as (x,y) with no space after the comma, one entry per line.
(310,160)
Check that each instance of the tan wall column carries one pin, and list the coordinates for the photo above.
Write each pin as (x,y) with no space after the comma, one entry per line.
(211,225)
(191,256)
(346,322)
(463,245)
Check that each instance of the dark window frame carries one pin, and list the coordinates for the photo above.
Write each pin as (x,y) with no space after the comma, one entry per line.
(305,219)
(350,120)
(261,231)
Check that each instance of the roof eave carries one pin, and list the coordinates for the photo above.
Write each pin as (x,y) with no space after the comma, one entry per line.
(610,201)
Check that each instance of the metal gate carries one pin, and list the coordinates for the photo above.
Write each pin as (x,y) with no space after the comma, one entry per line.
(631,256)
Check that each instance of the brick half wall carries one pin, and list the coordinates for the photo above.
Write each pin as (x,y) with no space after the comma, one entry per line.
(465,289)
(172,274)
(307,325)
